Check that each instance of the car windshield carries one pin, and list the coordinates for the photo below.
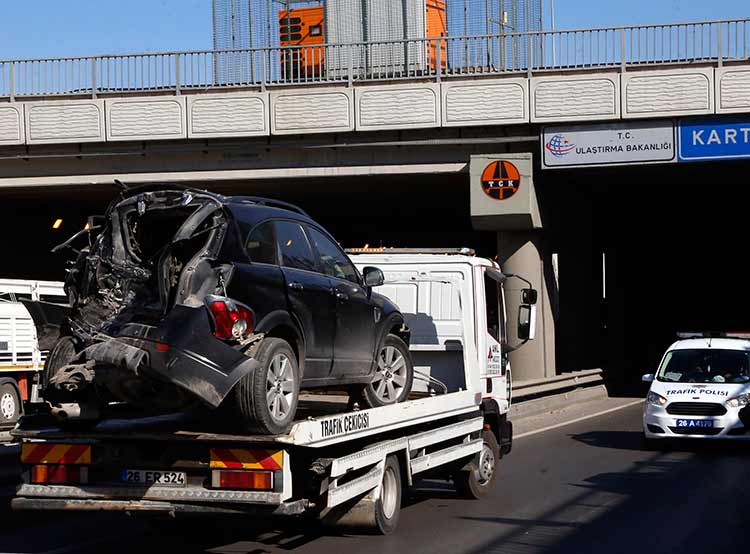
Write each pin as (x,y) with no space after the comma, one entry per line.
(705,365)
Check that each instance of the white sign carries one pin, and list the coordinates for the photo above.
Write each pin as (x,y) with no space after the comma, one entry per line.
(608,144)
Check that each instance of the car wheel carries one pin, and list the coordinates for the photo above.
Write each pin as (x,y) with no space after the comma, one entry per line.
(478,482)
(10,405)
(394,374)
(266,399)
(61,354)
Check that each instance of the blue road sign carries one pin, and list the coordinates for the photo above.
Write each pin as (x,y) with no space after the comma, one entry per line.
(713,139)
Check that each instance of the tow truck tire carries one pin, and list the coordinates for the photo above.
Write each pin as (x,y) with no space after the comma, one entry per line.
(258,396)
(390,374)
(378,511)
(10,405)
(477,483)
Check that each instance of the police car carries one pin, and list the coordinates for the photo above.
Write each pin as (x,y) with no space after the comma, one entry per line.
(701,390)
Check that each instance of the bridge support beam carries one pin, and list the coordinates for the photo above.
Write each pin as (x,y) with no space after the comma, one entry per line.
(522,253)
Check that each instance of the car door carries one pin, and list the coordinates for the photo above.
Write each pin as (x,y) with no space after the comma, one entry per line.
(354,342)
(310,297)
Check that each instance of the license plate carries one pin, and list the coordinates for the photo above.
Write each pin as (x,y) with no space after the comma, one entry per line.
(695,423)
(147,478)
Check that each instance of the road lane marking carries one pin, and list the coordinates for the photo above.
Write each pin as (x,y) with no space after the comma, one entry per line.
(576,420)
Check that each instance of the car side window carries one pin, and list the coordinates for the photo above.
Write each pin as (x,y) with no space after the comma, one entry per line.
(294,247)
(261,244)
(334,261)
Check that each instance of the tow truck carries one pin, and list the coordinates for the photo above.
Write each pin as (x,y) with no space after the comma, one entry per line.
(21,357)
(344,465)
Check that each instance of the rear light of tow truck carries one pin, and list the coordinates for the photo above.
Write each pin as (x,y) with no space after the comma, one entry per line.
(249,469)
(56,464)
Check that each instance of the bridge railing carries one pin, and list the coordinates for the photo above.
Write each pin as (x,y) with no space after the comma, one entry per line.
(428,58)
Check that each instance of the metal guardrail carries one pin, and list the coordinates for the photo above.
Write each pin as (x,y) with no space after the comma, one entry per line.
(428,58)
(557,384)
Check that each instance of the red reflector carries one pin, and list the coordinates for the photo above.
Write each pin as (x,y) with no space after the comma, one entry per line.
(161,347)
(57,474)
(256,480)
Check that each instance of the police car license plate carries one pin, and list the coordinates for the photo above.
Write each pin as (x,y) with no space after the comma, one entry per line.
(695,423)
(146,478)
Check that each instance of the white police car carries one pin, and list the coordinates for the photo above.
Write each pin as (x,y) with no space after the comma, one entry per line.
(700,391)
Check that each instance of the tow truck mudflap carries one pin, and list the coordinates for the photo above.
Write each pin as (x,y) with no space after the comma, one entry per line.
(155,507)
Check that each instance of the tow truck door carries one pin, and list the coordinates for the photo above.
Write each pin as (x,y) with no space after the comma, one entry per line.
(493,338)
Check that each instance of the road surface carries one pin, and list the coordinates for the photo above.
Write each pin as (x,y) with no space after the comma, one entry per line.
(586,487)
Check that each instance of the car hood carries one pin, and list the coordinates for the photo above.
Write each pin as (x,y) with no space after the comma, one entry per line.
(699,392)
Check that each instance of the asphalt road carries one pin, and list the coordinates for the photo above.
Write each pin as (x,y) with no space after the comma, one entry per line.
(586,487)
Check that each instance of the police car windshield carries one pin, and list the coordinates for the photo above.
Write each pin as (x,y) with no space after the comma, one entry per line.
(705,365)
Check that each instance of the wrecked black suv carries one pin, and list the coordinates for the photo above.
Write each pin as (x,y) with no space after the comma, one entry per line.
(185,297)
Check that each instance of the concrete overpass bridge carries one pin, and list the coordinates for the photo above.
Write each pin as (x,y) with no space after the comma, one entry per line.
(381,141)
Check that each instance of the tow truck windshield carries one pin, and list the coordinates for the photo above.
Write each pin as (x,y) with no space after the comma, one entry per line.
(705,365)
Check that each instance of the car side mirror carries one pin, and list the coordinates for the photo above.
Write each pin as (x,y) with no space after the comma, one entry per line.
(648,378)
(526,322)
(373,276)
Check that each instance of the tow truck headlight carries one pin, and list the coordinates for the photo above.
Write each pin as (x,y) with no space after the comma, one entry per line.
(739,401)
(655,399)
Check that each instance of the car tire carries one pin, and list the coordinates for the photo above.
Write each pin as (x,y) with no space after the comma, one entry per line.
(477,483)
(61,354)
(266,399)
(394,375)
(10,406)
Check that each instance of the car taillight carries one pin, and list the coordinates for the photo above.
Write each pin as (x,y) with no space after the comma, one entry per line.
(242,479)
(231,320)
(59,474)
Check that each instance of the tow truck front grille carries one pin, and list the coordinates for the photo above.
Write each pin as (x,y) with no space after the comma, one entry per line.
(696,408)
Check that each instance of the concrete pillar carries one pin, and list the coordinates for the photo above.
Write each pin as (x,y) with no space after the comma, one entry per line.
(520,253)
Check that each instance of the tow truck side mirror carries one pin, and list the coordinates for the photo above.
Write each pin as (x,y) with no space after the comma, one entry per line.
(373,276)
(526,322)
(648,378)
(528,296)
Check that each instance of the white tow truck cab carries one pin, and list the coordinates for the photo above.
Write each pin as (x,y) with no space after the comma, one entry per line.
(21,359)
(344,465)
(701,390)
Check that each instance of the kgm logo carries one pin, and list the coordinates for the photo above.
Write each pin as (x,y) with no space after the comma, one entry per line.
(501,180)
(559,146)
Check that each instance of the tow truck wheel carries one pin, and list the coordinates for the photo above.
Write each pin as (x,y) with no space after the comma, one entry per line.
(9,405)
(266,399)
(378,511)
(478,482)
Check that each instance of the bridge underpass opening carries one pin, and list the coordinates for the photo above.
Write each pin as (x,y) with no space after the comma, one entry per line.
(395,210)
(643,253)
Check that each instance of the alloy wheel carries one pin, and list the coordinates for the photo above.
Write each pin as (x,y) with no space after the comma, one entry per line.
(280,387)
(390,375)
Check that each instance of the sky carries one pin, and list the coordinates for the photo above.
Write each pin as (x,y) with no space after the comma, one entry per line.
(53,28)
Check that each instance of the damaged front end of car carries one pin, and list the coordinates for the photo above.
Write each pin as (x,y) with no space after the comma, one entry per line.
(149,323)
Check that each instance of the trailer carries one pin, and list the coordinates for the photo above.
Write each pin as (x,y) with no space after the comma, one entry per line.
(21,358)
(344,465)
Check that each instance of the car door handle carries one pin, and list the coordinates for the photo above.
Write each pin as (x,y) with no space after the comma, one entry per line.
(340,295)
(296,286)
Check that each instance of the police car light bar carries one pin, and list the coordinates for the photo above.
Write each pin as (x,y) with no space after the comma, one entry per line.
(713,335)
(383,250)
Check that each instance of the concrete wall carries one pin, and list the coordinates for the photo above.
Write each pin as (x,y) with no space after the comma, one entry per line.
(580,96)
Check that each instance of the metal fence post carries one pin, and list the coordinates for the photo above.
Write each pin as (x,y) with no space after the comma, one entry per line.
(439,60)
(93,78)
(12,83)
(720,50)
(177,74)
(350,80)
(529,55)
(263,70)
(623,48)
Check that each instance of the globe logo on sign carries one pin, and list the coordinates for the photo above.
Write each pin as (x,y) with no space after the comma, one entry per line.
(559,146)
